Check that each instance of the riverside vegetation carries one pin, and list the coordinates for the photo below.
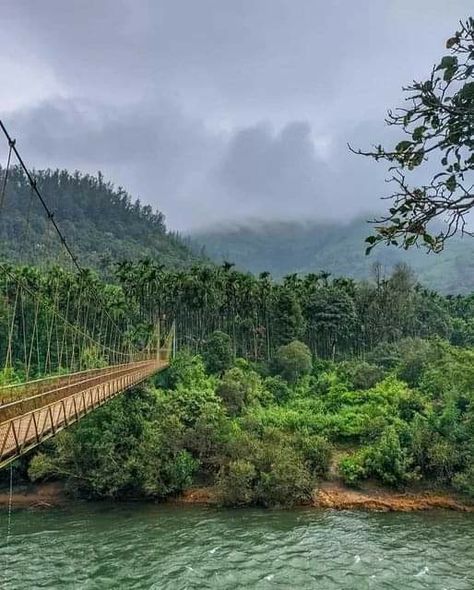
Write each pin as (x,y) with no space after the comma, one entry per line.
(266,434)
(275,386)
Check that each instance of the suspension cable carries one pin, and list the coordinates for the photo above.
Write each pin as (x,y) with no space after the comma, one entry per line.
(49,214)
(5,177)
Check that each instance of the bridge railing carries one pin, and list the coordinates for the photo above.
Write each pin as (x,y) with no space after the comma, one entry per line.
(34,420)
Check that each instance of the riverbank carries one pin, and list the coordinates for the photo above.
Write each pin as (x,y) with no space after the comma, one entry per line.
(339,497)
(330,495)
(43,495)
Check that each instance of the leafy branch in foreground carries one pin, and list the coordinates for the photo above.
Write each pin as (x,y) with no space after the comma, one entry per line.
(438,123)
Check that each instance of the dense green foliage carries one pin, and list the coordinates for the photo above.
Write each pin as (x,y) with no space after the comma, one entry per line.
(292,361)
(218,352)
(261,439)
(102,224)
(277,385)
(336,318)
(55,321)
(288,247)
(223,313)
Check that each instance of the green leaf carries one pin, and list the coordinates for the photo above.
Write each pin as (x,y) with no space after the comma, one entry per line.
(448,61)
(449,73)
(403,146)
(451,183)
(417,158)
(467,91)
(418,133)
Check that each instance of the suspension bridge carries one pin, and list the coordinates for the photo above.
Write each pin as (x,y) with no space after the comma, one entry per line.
(66,346)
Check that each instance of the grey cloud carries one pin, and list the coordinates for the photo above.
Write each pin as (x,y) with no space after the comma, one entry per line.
(154,150)
(220,109)
(276,172)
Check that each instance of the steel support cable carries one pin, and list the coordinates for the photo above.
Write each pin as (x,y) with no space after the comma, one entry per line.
(7,170)
(8,359)
(32,182)
(35,328)
(64,330)
(50,334)
(23,325)
(49,213)
(7,314)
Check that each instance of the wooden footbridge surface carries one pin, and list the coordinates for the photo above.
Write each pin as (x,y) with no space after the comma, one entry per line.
(33,412)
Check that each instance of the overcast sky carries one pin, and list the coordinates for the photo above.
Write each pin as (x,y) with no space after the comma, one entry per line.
(214,110)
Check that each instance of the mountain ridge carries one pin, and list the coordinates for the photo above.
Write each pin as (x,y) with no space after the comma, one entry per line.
(286,247)
(102,224)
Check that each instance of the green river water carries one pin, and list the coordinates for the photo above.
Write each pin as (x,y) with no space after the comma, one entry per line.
(98,546)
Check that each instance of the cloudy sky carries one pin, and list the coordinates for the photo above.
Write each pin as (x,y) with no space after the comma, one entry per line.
(217,110)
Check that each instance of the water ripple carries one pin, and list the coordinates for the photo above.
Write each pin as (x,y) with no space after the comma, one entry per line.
(100,547)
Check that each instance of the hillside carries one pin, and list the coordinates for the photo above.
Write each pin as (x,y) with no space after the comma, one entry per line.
(288,247)
(101,223)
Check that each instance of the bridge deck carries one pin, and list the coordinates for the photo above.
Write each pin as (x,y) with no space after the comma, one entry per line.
(33,414)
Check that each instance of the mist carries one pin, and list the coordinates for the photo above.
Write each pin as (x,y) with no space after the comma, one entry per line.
(218,111)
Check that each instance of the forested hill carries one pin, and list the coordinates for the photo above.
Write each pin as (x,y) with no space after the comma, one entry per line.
(288,247)
(102,223)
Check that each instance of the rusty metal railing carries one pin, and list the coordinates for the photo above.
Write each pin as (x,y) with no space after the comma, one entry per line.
(30,421)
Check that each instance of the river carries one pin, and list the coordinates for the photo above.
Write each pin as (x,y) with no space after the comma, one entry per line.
(100,546)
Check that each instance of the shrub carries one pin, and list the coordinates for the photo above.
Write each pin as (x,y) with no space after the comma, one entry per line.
(387,460)
(41,467)
(415,356)
(292,361)
(218,353)
(188,404)
(443,459)
(352,468)
(464,481)
(385,355)
(206,438)
(176,473)
(239,388)
(270,469)
(285,480)
(316,451)
(362,375)
(236,483)
(186,370)
(278,388)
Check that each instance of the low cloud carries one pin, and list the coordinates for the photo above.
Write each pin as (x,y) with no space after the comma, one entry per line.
(218,110)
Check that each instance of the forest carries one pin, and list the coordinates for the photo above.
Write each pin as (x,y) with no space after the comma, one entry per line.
(276,387)
(336,317)
(103,223)
(286,246)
